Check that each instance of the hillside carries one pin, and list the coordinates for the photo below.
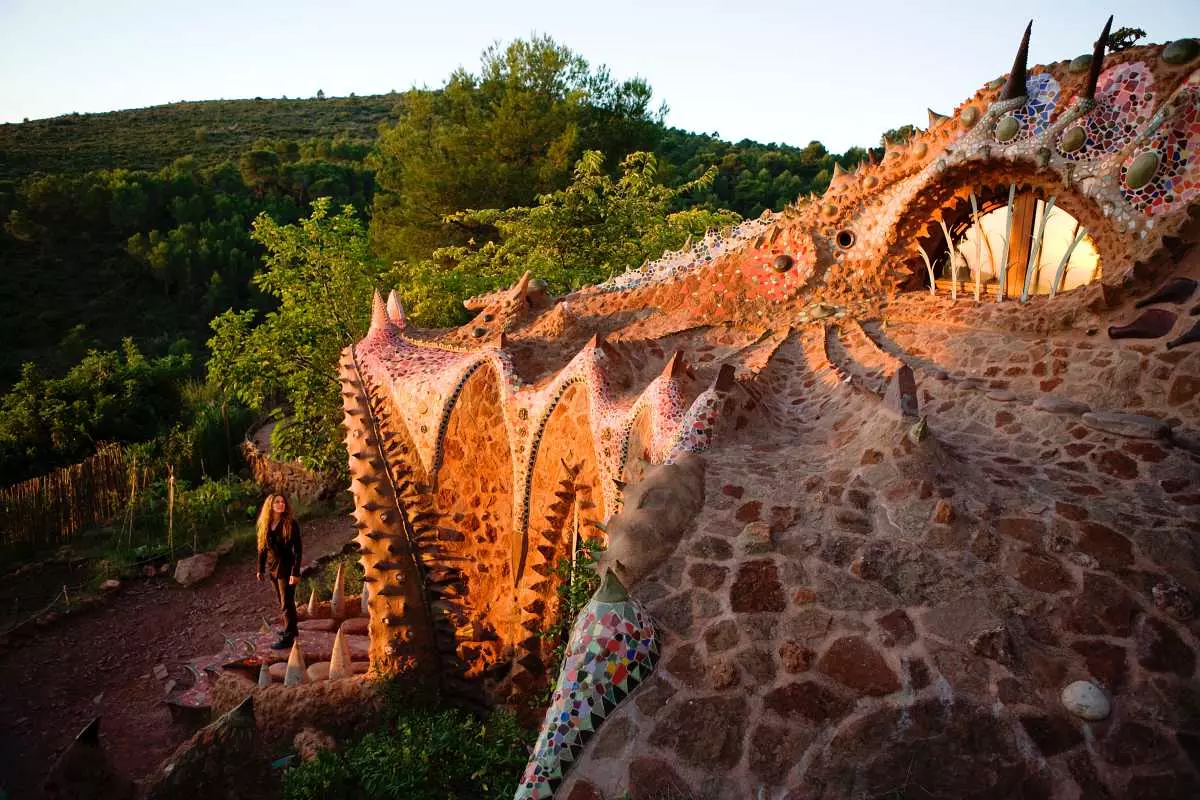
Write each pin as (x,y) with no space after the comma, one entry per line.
(151,138)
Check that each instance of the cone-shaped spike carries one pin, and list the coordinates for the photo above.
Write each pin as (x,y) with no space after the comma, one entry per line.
(871,157)
(1016,78)
(675,366)
(312,605)
(339,662)
(395,309)
(379,315)
(1089,93)
(725,378)
(838,172)
(242,715)
(521,287)
(611,589)
(935,118)
(366,601)
(264,675)
(337,603)
(295,667)
(265,627)
(90,735)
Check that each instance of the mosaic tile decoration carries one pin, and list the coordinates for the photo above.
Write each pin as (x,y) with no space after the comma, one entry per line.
(1034,117)
(1177,143)
(1124,97)
(613,648)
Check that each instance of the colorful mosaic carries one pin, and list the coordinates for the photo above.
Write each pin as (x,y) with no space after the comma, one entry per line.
(1041,91)
(613,648)
(1124,97)
(1176,177)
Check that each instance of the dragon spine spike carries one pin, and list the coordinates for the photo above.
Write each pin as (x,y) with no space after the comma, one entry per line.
(312,604)
(264,675)
(935,118)
(725,378)
(296,669)
(1015,87)
(1097,64)
(337,603)
(395,310)
(379,314)
(339,661)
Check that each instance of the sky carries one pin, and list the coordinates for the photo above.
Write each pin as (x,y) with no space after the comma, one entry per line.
(784,72)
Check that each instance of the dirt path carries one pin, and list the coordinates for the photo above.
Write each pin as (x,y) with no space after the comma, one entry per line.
(102,664)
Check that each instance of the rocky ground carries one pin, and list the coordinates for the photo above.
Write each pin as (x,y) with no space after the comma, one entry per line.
(110,663)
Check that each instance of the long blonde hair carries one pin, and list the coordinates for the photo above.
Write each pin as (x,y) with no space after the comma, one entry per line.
(264,520)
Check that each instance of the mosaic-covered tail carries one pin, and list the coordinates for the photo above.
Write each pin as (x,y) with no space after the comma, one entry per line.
(612,649)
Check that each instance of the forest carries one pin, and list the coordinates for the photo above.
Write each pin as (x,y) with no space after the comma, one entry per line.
(168,269)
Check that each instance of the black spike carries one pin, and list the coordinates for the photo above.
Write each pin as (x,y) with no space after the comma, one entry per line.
(1097,62)
(1016,79)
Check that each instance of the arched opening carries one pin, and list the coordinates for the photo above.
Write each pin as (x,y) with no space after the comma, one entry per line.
(1024,239)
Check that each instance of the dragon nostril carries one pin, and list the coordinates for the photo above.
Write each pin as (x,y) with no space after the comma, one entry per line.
(782,263)
(845,238)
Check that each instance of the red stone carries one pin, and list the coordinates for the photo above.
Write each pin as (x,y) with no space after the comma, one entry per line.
(1160,649)
(1119,465)
(1052,735)
(1183,390)
(871,457)
(795,658)
(1105,545)
(898,628)
(749,512)
(705,731)
(807,699)
(853,662)
(1103,607)
(583,790)
(757,588)
(1106,662)
(1145,451)
(1043,573)
(707,576)
(943,513)
(1030,531)
(1071,511)
(653,778)
(733,491)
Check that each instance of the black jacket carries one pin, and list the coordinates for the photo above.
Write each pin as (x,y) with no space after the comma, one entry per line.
(283,557)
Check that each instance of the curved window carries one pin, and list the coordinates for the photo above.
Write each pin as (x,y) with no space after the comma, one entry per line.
(1042,246)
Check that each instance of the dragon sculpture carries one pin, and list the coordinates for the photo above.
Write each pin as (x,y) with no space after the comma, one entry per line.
(892,505)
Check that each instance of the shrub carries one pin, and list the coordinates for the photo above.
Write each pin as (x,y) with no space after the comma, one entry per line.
(430,755)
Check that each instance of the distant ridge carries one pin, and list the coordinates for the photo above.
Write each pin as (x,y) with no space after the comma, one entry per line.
(211,130)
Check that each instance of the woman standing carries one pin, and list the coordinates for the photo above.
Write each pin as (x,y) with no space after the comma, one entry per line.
(279,549)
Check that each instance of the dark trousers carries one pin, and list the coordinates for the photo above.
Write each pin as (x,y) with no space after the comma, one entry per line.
(286,593)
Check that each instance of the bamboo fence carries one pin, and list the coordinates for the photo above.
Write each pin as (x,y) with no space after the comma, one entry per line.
(52,508)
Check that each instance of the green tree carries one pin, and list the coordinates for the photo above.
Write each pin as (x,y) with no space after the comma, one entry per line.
(1124,38)
(591,230)
(497,140)
(322,275)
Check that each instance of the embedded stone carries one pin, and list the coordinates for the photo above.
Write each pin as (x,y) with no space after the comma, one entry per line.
(795,658)
(900,399)
(783,263)
(194,569)
(712,548)
(1109,548)
(1142,170)
(757,588)
(1106,662)
(1171,598)
(774,749)
(1052,735)
(721,636)
(651,778)
(687,665)
(994,643)
(1160,649)
(1080,64)
(1181,51)
(1007,129)
(1043,573)
(1132,743)
(898,628)
(943,512)
(853,662)
(705,731)
(724,675)
(1086,700)
(969,116)
(807,699)
(759,665)
(1134,426)
(707,576)
(1073,139)
(1101,608)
